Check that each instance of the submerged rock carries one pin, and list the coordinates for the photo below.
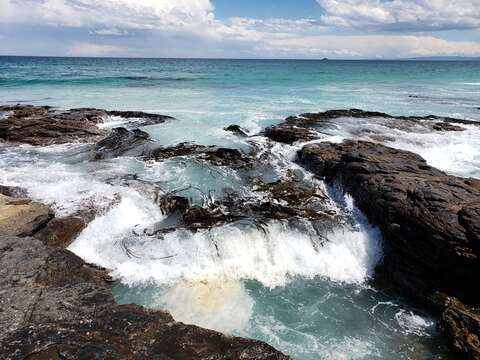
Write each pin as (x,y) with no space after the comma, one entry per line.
(57,307)
(430,221)
(13,191)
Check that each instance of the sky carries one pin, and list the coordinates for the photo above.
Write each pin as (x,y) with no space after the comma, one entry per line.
(299,29)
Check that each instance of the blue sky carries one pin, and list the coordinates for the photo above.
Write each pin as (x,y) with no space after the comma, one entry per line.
(310,29)
(266,9)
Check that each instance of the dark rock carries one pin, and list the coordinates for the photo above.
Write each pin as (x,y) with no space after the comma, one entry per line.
(145,118)
(289,134)
(121,142)
(460,324)
(13,191)
(430,221)
(309,126)
(237,130)
(445,126)
(57,307)
(43,126)
(215,155)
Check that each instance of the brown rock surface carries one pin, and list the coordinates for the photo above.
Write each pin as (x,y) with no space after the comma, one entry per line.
(430,220)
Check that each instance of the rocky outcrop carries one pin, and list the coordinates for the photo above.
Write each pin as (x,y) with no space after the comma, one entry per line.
(430,221)
(22,217)
(237,130)
(121,142)
(460,324)
(54,306)
(309,126)
(42,125)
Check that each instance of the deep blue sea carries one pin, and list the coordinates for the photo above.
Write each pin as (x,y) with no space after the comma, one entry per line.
(276,286)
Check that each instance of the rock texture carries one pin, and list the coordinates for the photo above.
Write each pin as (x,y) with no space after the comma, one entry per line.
(22,217)
(430,221)
(41,125)
(54,306)
(121,142)
(309,126)
(461,326)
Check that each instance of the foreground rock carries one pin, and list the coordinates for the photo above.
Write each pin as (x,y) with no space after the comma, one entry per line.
(22,217)
(430,220)
(310,126)
(41,125)
(460,324)
(54,306)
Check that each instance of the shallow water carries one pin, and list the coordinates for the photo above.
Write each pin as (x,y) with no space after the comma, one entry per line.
(280,284)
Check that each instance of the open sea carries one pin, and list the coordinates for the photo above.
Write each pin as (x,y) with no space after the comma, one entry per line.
(274,285)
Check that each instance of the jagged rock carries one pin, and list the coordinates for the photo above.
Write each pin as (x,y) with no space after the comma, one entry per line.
(22,217)
(237,130)
(54,306)
(430,221)
(309,126)
(145,118)
(215,155)
(41,125)
(460,324)
(121,142)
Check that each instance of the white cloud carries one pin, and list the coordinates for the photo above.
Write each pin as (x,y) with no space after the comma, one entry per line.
(409,15)
(90,49)
(130,14)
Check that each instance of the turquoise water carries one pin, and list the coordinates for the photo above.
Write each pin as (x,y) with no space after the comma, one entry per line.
(277,286)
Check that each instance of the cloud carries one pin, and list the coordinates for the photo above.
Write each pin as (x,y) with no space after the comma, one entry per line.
(402,15)
(109,32)
(91,49)
(129,14)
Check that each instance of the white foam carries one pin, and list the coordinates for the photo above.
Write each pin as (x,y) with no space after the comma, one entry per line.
(413,324)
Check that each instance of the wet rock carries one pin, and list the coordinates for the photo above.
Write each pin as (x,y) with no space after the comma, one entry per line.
(310,126)
(215,155)
(237,130)
(54,306)
(430,221)
(43,126)
(22,217)
(142,118)
(13,191)
(121,142)
(289,134)
(460,324)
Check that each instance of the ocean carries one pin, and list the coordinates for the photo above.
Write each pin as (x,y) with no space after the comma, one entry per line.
(276,285)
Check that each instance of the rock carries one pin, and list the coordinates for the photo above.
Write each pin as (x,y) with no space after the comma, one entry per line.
(42,126)
(57,307)
(289,134)
(13,191)
(237,130)
(121,142)
(460,324)
(215,155)
(430,221)
(22,217)
(60,232)
(142,118)
(309,126)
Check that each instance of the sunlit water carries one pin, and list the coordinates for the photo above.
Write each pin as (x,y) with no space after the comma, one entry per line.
(311,300)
